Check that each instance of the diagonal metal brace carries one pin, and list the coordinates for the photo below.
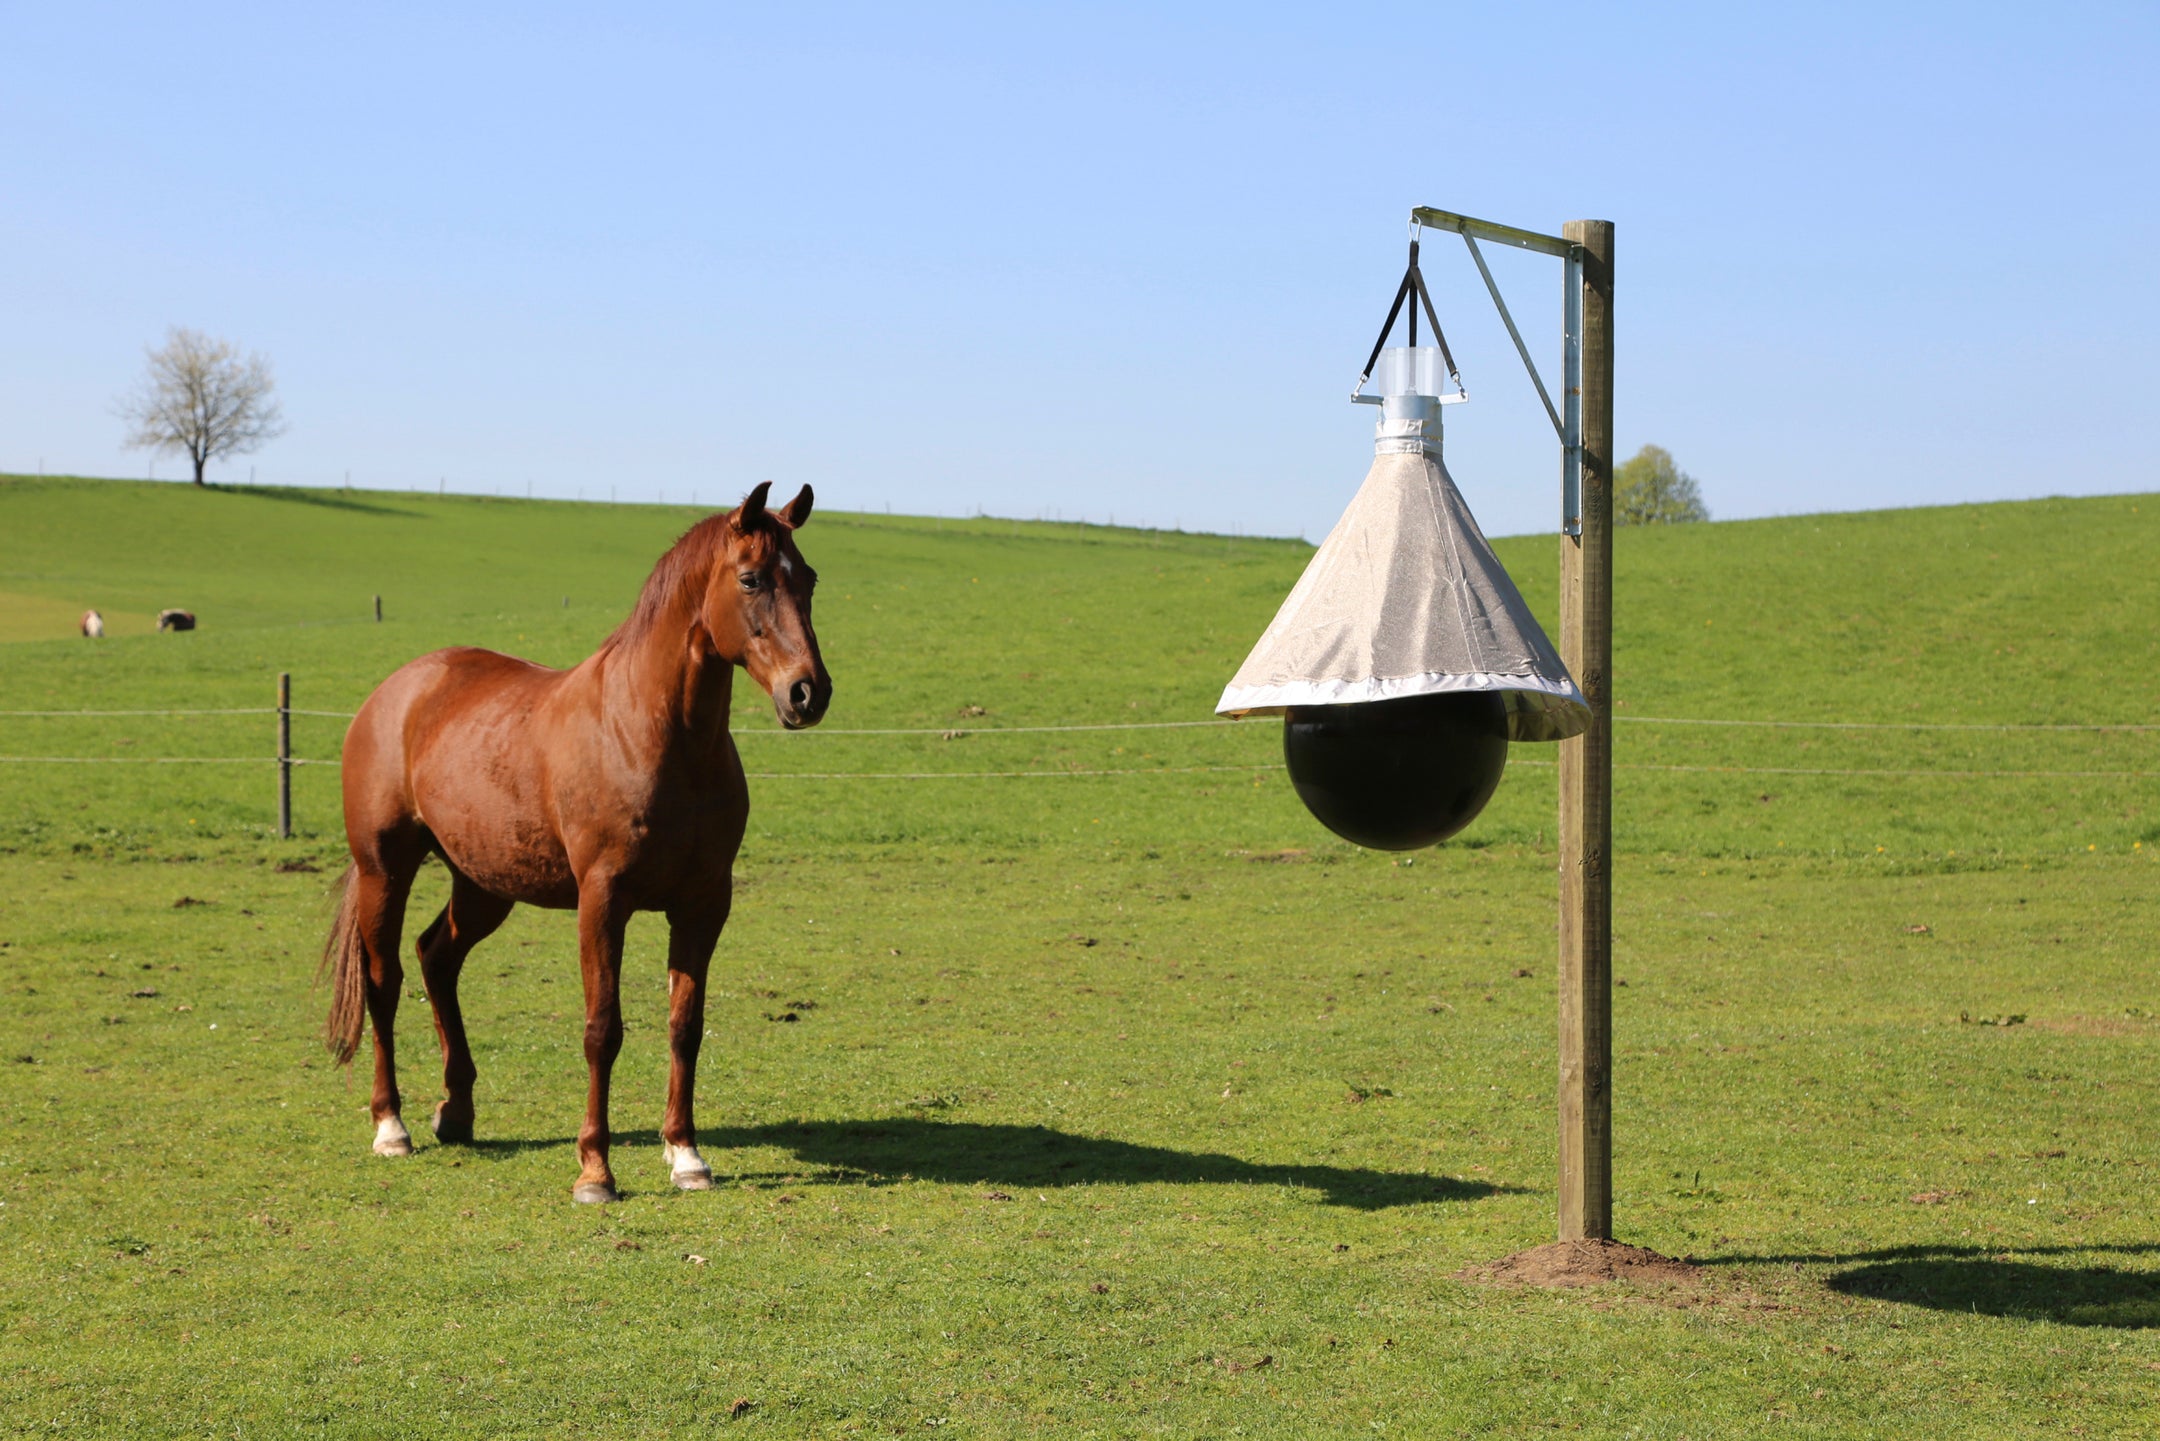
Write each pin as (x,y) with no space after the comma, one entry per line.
(1567,419)
(1493,288)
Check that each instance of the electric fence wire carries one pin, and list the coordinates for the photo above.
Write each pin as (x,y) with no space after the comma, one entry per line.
(962,732)
(2005,726)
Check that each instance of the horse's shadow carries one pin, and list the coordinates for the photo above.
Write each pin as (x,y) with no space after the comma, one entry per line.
(889,1150)
(1971,1279)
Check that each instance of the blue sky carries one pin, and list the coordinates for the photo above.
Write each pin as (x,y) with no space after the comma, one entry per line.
(1093,260)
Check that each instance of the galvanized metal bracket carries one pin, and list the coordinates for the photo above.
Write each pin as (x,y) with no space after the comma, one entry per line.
(1571,393)
(1486,230)
(1567,418)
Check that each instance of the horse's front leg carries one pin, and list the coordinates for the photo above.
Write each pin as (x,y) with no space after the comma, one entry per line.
(692,934)
(601,920)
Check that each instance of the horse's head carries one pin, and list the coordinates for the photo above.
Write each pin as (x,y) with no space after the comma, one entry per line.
(757,607)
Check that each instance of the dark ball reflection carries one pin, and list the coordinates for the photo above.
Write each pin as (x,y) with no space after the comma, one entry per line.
(1394,775)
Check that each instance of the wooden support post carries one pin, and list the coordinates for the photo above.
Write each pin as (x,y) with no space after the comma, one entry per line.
(284,755)
(1586,779)
(378,610)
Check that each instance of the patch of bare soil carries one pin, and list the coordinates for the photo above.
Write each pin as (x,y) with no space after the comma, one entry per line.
(1583,1263)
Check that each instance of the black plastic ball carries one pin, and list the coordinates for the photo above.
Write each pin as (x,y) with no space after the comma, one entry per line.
(1394,775)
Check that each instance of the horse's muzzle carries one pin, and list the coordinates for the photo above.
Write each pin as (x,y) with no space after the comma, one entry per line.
(803,703)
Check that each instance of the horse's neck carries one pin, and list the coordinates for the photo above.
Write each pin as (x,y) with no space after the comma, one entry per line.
(671,677)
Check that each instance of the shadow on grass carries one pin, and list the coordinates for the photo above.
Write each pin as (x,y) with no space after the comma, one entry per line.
(885,1151)
(1978,1280)
(965,1153)
(327,499)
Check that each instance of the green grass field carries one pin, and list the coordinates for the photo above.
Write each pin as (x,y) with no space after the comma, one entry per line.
(1124,1100)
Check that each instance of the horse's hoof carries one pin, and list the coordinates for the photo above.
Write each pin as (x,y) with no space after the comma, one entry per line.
(391,1137)
(594,1193)
(449,1132)
(686,1169)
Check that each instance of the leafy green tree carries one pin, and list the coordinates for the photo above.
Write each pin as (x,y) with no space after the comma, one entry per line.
(1652,489)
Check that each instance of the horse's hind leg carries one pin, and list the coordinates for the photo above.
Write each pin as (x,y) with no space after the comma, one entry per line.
(470,918)
(381,884)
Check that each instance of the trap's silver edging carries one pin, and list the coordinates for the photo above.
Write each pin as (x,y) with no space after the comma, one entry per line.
(1538,708)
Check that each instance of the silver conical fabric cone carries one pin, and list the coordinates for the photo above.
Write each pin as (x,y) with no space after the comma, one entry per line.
(1406,598)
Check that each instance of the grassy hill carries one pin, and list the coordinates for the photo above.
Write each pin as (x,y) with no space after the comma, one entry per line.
(1125,1103)
(2013,614)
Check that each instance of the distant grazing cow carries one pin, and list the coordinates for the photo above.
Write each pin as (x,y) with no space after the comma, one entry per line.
(176,620)
(93,624)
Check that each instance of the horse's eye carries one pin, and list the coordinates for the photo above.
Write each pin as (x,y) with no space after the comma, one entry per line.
(749,580)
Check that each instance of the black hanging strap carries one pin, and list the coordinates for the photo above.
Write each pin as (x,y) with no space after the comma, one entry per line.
(1387,328)
(1413,282)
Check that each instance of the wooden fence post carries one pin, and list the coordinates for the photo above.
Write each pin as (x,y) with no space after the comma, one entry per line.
(378,610)
(1586,779)
(284,755)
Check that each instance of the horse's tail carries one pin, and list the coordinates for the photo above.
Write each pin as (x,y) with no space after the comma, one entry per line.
(344,965)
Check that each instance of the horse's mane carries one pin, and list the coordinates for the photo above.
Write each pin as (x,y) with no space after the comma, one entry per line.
(687,563)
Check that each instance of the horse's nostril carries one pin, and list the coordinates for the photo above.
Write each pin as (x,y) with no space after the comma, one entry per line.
(800,695)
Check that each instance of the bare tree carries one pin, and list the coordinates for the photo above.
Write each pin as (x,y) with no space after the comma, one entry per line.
(1652,489)
(202,398)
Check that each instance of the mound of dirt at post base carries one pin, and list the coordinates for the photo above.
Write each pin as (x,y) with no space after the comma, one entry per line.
(1582,1263)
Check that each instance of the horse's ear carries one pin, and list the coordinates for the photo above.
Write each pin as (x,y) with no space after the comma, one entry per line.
(752,510)
(796,511)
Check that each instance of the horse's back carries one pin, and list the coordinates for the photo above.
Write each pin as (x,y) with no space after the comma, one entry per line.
(453,743)
(443,688)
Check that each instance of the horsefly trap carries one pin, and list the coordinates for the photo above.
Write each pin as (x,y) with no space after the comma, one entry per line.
(1405,661)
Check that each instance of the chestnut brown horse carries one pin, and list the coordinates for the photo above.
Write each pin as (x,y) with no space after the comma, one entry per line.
(609,788)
